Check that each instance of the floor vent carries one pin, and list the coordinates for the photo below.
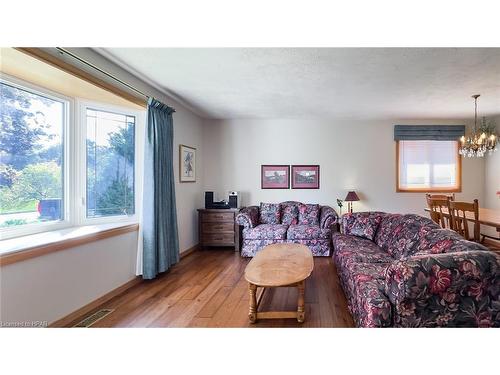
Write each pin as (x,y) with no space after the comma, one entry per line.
(88,321)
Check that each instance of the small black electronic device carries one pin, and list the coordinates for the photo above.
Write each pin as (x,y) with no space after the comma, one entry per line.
(233,199)
(220,205)
(209,199)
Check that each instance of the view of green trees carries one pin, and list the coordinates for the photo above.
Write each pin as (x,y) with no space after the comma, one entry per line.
(110,170)
(31,157)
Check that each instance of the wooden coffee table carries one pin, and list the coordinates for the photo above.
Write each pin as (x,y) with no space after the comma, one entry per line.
(278,265)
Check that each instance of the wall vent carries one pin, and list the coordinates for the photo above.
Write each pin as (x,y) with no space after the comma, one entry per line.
(88,321)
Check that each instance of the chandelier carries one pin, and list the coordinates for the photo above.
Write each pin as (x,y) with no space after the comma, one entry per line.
(481,140)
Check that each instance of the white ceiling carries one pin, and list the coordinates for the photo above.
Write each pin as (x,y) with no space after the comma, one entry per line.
(399,83)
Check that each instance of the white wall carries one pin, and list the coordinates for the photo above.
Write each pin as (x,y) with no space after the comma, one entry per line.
(189,195)
(492,176)
(52,286)
(353,155)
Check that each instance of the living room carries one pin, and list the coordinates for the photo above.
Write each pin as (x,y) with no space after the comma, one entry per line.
(265,185)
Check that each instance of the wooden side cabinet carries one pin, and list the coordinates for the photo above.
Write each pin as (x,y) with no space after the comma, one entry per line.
(218,228)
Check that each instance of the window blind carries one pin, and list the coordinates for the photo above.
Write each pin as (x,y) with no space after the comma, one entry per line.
(428,164)
(428,132)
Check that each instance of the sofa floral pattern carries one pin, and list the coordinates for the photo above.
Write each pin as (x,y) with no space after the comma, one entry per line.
(266,231)
(308,232)
(363,224)
(270,213)
(368,304)
(446,290)
(328,217)
(248,217)
(308,214)
(252,247)
(415,274)
(256,234)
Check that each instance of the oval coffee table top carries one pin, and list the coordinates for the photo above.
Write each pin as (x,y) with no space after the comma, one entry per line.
(279,265)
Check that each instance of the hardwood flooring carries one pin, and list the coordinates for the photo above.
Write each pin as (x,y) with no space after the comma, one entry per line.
(208,289)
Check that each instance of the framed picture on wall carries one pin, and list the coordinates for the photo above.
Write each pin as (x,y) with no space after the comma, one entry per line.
(305,176)
(275,176)
(187,164)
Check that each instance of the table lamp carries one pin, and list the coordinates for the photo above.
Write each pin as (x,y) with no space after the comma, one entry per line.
(351,197)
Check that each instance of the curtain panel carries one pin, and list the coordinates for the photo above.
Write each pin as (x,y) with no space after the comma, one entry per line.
(428,132)
(159,215)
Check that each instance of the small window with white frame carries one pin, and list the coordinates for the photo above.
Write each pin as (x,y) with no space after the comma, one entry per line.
(428,166)
(110,161)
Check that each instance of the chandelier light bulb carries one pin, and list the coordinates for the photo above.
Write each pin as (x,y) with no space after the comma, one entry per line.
(481,140)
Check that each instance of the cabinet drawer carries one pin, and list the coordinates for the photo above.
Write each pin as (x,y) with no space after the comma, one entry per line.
(217,216)
(215,238)
(222,227)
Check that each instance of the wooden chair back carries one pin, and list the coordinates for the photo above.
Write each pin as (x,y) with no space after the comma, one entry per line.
(459,221)
(439,207)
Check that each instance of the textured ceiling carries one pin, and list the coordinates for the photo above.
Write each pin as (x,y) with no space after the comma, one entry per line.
(322,82)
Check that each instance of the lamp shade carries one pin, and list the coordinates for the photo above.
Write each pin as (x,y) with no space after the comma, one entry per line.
(351,197)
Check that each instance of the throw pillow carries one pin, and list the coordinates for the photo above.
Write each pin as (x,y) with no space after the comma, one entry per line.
(365,224)
(270,213)
(289,214)
(308,214)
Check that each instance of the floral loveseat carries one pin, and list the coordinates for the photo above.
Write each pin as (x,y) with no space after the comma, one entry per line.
(405,271)
(308,224)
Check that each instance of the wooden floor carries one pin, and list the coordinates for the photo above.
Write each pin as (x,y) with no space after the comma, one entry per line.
(208,289)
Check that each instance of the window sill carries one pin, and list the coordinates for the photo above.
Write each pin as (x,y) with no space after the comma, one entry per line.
(27,247)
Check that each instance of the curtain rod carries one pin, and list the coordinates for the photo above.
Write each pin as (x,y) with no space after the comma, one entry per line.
(63,51)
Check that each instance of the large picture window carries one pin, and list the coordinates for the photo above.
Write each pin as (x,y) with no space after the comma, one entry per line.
(64,161)
(428,166)
(32,127)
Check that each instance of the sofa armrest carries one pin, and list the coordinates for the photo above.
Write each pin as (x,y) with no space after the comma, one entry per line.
(248,217)
(328,217)
(451,289)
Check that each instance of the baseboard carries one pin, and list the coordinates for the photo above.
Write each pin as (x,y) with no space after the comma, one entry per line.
(63,322)
(189,251)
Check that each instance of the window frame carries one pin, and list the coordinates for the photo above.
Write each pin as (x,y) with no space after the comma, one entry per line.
(74,162)
(67,167)
(455,189)
(81,194)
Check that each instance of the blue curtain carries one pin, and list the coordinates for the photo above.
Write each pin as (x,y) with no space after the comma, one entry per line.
(161,240)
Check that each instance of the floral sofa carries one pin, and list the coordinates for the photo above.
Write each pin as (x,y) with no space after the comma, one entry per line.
(295,222)
(405,271)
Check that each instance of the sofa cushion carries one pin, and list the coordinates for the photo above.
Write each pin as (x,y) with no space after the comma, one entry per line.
(308,214)
(362,224)
(270,213)
(290,213)
(307,232)
(352,249)
(364,285)
(266,232)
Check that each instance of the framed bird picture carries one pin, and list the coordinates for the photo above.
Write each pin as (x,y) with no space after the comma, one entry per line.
(187,164)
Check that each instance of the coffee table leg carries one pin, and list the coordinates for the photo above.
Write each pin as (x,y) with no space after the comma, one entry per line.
(301,305)
(252,313)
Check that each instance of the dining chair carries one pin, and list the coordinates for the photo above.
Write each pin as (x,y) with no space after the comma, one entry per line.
(459,221)
(439,208)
